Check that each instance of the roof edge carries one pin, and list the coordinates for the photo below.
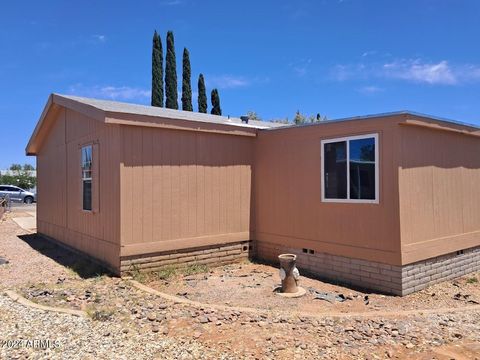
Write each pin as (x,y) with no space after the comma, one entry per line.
(39,125)
(56,99)
(380,115)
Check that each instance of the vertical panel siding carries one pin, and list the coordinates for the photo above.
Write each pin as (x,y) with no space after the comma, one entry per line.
(60,213)
(288,207)
(183,185)
(439,192)
(51,190)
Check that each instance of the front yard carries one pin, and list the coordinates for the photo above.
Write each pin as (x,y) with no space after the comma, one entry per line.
(228,312)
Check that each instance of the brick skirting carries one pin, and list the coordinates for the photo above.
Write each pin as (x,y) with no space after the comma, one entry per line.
(215,255)
(397,280)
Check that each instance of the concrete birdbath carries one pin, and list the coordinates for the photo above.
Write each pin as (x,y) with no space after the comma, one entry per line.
(289,275)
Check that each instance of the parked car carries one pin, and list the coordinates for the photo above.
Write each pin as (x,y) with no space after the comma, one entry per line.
(16,194)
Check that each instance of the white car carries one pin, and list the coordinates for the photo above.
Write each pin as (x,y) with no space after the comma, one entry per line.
(16,194)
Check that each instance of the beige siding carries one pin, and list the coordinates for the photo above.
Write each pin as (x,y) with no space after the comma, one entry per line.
(439,180)
(288,205)
(182,189)
(60,213)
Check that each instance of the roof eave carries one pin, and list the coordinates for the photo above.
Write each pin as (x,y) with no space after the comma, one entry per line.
(28,149)
(55,100)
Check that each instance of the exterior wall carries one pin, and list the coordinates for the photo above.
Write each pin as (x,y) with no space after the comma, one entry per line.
(167,196)
(439,177)
(183,189)
(419,275)
(59,210)
(345,270)
(390,279)
(214,254)
(289,211)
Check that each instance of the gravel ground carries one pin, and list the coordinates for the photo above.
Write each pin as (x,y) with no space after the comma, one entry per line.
(79,338)
(124,322)
(26,265)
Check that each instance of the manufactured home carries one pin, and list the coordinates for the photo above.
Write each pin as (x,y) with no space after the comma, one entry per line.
(388,202)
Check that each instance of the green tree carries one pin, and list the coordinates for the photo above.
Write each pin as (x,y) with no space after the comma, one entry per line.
(157,71)
(186,84)
(20,176)
(202,95)
(299,118)
(281,121)
(171,95)
(252,115)
(215,98)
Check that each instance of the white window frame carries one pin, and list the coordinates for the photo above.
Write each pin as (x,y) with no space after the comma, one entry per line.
(87,178)
(347,139)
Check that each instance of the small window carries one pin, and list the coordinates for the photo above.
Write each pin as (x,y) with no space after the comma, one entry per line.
(350,169)
(87,177)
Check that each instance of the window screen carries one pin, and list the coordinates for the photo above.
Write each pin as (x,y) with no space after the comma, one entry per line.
(87,178)
(335,170)
(362,169)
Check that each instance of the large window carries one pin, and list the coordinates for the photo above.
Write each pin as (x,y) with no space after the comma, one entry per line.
(350,169)
(87,177)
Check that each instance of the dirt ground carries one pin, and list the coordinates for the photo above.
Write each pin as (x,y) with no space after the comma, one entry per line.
(124,321)
(252,285)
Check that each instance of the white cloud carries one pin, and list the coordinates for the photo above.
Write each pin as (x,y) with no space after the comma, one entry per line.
(369,53)
(411,70)
(301,67)
(418,71)
(227,81)
(110,92)
(99,38)
(370,90)
(347,72)
(170,2)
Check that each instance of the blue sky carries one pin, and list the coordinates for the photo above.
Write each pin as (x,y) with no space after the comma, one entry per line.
(338,58)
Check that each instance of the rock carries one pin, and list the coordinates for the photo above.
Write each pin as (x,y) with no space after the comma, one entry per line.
(152,316)
(155,329)
(409,346)
(125,331)
(203,320)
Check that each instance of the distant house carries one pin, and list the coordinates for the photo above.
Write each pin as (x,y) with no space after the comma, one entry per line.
(389,202)
(17,172)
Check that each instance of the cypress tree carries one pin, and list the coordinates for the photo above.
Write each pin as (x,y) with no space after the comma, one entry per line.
(216,109)
(157,71)
(171,74)
(202,95)
(186,84)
